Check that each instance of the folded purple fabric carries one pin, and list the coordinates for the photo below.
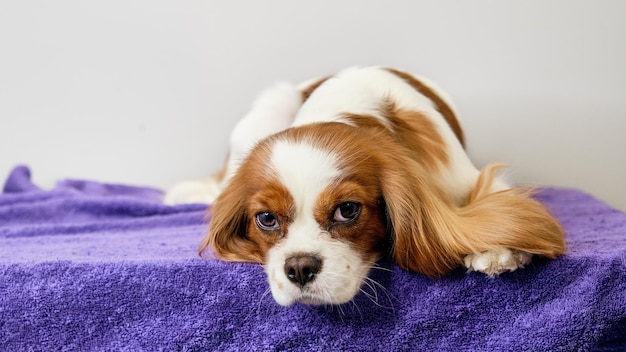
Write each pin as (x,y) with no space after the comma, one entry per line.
(88,266)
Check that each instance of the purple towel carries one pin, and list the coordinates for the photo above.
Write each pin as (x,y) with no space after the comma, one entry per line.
(91,266)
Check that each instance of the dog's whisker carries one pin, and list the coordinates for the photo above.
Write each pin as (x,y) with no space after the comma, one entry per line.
(340,309)
(370,297)
(374,295)
(260,301)
(373,285)
(267,292)
(377,266)
(356,306)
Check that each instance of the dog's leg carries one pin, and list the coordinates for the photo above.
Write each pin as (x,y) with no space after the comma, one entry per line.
(272,112)
(499,260)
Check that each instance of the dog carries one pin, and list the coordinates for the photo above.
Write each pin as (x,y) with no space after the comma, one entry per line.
(328,177)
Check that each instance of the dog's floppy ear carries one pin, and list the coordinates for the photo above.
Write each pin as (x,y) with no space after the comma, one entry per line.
(431,235)
(228,227)
(411,204)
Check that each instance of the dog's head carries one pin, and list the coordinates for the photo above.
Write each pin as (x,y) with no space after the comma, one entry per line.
(313,204)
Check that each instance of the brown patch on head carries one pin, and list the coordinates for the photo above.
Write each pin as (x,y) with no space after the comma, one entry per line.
(273,198)
(440,104)
(367,232)
(306,92)
(231,234)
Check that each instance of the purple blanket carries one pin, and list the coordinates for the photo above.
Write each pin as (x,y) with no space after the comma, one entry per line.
(88,266)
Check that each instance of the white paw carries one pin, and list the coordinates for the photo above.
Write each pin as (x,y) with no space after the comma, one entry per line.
(497,261)
(200,191)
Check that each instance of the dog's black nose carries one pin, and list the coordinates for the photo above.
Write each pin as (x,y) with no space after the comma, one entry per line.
(302,269)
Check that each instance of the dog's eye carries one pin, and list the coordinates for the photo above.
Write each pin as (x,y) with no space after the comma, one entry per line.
(347,211)
(267,221)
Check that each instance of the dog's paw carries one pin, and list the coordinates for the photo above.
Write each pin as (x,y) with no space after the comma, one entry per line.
(497,261)
(200,191)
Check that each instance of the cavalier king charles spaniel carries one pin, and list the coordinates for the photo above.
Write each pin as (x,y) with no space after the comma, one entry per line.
(327,177)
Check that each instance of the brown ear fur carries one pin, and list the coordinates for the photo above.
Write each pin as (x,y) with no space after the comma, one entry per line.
(431,235)
(228,227)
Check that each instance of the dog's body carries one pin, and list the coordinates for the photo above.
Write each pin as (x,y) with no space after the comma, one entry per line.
(325,178)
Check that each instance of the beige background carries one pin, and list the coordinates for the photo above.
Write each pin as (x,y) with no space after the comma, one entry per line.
(145,92)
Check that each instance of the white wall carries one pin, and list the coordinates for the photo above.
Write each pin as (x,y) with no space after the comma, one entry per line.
(145,92)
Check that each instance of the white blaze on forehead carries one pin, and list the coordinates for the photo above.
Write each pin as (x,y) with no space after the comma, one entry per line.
(304,170)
